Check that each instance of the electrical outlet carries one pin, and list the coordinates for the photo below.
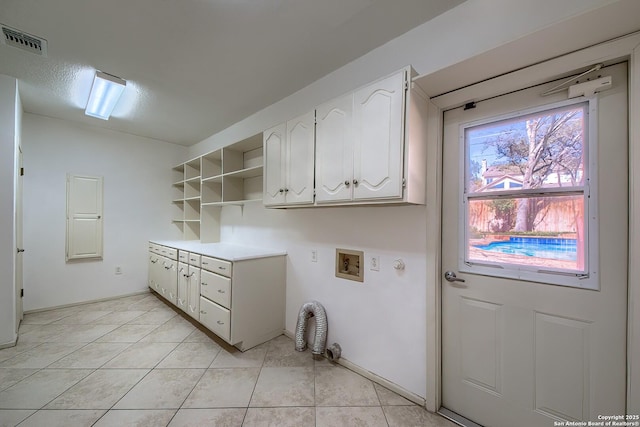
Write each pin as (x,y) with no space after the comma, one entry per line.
(118,270)
(314,255)
(374,263)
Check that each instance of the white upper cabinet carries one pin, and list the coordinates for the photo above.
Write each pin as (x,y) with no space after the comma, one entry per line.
(370,148)
(371,144)
(378,116)
(289,158)
(334,150)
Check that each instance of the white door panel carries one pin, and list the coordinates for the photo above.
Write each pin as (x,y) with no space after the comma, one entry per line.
(299,159)
(379,138)
(516,352)
(84,217)
(334,150)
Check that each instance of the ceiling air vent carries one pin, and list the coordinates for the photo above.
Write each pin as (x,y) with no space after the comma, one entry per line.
(24,41)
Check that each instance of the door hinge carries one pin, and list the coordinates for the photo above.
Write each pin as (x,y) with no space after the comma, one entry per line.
(21,171)
(22,293)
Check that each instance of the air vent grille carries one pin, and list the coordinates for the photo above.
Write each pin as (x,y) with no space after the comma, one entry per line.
(24,41)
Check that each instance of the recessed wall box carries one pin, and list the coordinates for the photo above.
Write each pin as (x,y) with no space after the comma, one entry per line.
(349,264)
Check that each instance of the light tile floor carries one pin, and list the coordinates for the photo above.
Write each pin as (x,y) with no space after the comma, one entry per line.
(136,361)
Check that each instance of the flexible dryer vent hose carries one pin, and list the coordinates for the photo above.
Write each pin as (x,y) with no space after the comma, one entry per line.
(315,309)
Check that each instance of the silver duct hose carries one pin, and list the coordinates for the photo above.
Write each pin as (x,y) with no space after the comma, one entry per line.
(315,309)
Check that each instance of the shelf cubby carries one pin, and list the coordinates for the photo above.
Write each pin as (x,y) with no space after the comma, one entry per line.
(211,191)
(192,230)
(211,165)
(192,188)
(192,169)
(192,209)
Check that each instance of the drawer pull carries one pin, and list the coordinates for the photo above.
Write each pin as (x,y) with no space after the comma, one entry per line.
(205,263)
(153,262)
(203,312)
(220,322)
(222,268)
(221,291)
(203,284)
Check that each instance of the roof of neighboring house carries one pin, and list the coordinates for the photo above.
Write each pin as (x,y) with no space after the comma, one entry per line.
(503,178)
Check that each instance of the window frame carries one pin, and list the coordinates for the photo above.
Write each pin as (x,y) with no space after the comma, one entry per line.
(587,279)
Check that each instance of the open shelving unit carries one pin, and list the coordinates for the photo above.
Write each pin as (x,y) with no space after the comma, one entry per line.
(231,175)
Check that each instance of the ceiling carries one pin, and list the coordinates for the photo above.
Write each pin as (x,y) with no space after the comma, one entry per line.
(193,67)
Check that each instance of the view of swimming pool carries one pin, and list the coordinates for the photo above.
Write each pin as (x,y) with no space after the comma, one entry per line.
(550,248)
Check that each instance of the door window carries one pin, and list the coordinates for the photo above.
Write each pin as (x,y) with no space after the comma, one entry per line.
(528,191)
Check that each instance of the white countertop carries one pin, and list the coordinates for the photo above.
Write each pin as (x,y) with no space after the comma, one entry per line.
(223,251)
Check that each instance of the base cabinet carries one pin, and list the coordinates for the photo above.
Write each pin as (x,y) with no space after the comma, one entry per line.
(241,298)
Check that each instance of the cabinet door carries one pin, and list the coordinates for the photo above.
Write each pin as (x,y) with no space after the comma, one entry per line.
(170,282)
(299,159)
(183,283)
(153,270)
(161,274)
(274,158)
(379,139)
(334,150)
(193,294)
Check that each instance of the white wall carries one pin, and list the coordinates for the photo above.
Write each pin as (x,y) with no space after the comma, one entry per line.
(381,323)
(137,191)
(9,105)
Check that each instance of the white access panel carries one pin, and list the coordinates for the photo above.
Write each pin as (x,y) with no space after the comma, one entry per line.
(84,217)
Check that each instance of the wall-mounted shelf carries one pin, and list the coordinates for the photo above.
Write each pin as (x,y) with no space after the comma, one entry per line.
(231,175)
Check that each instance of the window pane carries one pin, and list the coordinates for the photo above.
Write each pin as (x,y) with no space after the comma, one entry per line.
(540,150)
(554,236)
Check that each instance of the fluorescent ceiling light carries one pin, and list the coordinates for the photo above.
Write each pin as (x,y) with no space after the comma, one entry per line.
(105,93)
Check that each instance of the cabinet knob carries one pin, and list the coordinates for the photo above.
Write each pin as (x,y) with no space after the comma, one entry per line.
(203,284)
(282,190)
(355,182)
(203,312)
(220,322)
(347,183)
(220,291)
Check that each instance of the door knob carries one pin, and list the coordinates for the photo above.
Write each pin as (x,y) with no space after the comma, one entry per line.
(451,277)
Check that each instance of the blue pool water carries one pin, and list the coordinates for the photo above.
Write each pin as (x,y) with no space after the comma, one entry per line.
(561,249)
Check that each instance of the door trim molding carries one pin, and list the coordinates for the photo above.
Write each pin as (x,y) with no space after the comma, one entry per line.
(627,47)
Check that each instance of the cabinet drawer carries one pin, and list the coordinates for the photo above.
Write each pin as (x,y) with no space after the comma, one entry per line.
(183,256)
(217,266)
(194,259)
(170,253)
(217,319)
(216,288)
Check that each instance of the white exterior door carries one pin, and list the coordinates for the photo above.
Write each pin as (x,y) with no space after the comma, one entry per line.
(274,165)
(379,139)
(299,159)
(518,352)
(334,150)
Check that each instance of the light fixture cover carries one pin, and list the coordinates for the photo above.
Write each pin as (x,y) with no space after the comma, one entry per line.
(105,93)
